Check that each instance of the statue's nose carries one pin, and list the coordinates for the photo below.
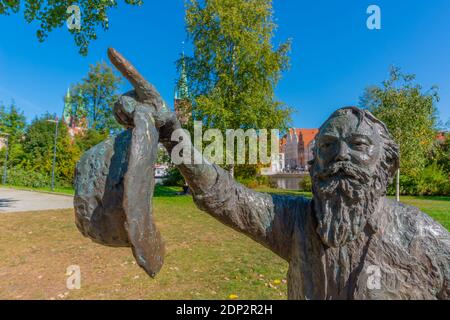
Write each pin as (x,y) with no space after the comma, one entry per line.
(343,153)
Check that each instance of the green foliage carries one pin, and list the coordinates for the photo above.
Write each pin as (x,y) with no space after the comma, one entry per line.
(410,115)
(433,180)
(12,124)
(38,144)
(249,176)
(255,182)
(174,178)
(441,153)
(89,139)
(408,186)
(235,68)
(31,148)
(15,155)
(305,183)
(162,157)
(27,178)
(38,148)
(53,14)
(246,171)
(94,97)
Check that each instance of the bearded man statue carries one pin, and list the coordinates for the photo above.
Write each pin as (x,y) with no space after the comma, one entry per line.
(349,242)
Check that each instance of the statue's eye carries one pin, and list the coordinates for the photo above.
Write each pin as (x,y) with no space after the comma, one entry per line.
(326,144)
(360,143)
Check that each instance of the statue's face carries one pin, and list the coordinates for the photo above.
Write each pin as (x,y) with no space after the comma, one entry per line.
(342,139)
(346,176)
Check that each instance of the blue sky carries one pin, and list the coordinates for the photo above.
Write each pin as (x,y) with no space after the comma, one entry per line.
(334,56)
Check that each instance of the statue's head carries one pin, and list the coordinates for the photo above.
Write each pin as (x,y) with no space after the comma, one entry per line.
(355,158)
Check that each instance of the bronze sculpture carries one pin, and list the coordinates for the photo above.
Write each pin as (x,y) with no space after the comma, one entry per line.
(348,242)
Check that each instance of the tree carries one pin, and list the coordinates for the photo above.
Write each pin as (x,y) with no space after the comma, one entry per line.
(38,146)
(410,115)
(94,97)
(54,14)
(235,68)
(441,154)
(162,156)
(89,139)
(12,123)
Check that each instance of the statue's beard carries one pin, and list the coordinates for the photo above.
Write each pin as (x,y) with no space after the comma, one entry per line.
(345,198)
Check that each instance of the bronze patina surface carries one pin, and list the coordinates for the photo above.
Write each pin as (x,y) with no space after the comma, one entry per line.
(349,242)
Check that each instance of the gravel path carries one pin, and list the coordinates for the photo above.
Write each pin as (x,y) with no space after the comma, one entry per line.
(12,200)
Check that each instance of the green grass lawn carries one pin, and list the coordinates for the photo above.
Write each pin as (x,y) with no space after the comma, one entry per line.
(436,207)
(61,190)
(204,259)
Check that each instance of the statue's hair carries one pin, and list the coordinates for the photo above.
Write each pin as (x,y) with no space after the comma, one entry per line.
(391,155)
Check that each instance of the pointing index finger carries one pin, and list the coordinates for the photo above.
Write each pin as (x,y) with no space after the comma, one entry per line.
(144,90)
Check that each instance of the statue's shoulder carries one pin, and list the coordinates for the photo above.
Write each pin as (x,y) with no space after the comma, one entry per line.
(418,242)
(412,221)
(406,228)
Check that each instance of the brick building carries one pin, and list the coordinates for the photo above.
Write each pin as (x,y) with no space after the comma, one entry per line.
(297,146)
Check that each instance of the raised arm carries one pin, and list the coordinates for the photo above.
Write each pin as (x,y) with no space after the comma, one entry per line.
(269,220)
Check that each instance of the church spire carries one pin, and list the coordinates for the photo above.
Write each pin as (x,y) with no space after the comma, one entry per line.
(182,103)
(182,88)
(67,107)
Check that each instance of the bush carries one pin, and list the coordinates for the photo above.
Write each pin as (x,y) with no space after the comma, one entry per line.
(273,184)
(174,178)
(306,183)
(245,171)
(31,179)
(254,182)
(263,181)
(431,181)
(408,186)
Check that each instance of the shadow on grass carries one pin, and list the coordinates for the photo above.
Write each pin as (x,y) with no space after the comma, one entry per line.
(165,191)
